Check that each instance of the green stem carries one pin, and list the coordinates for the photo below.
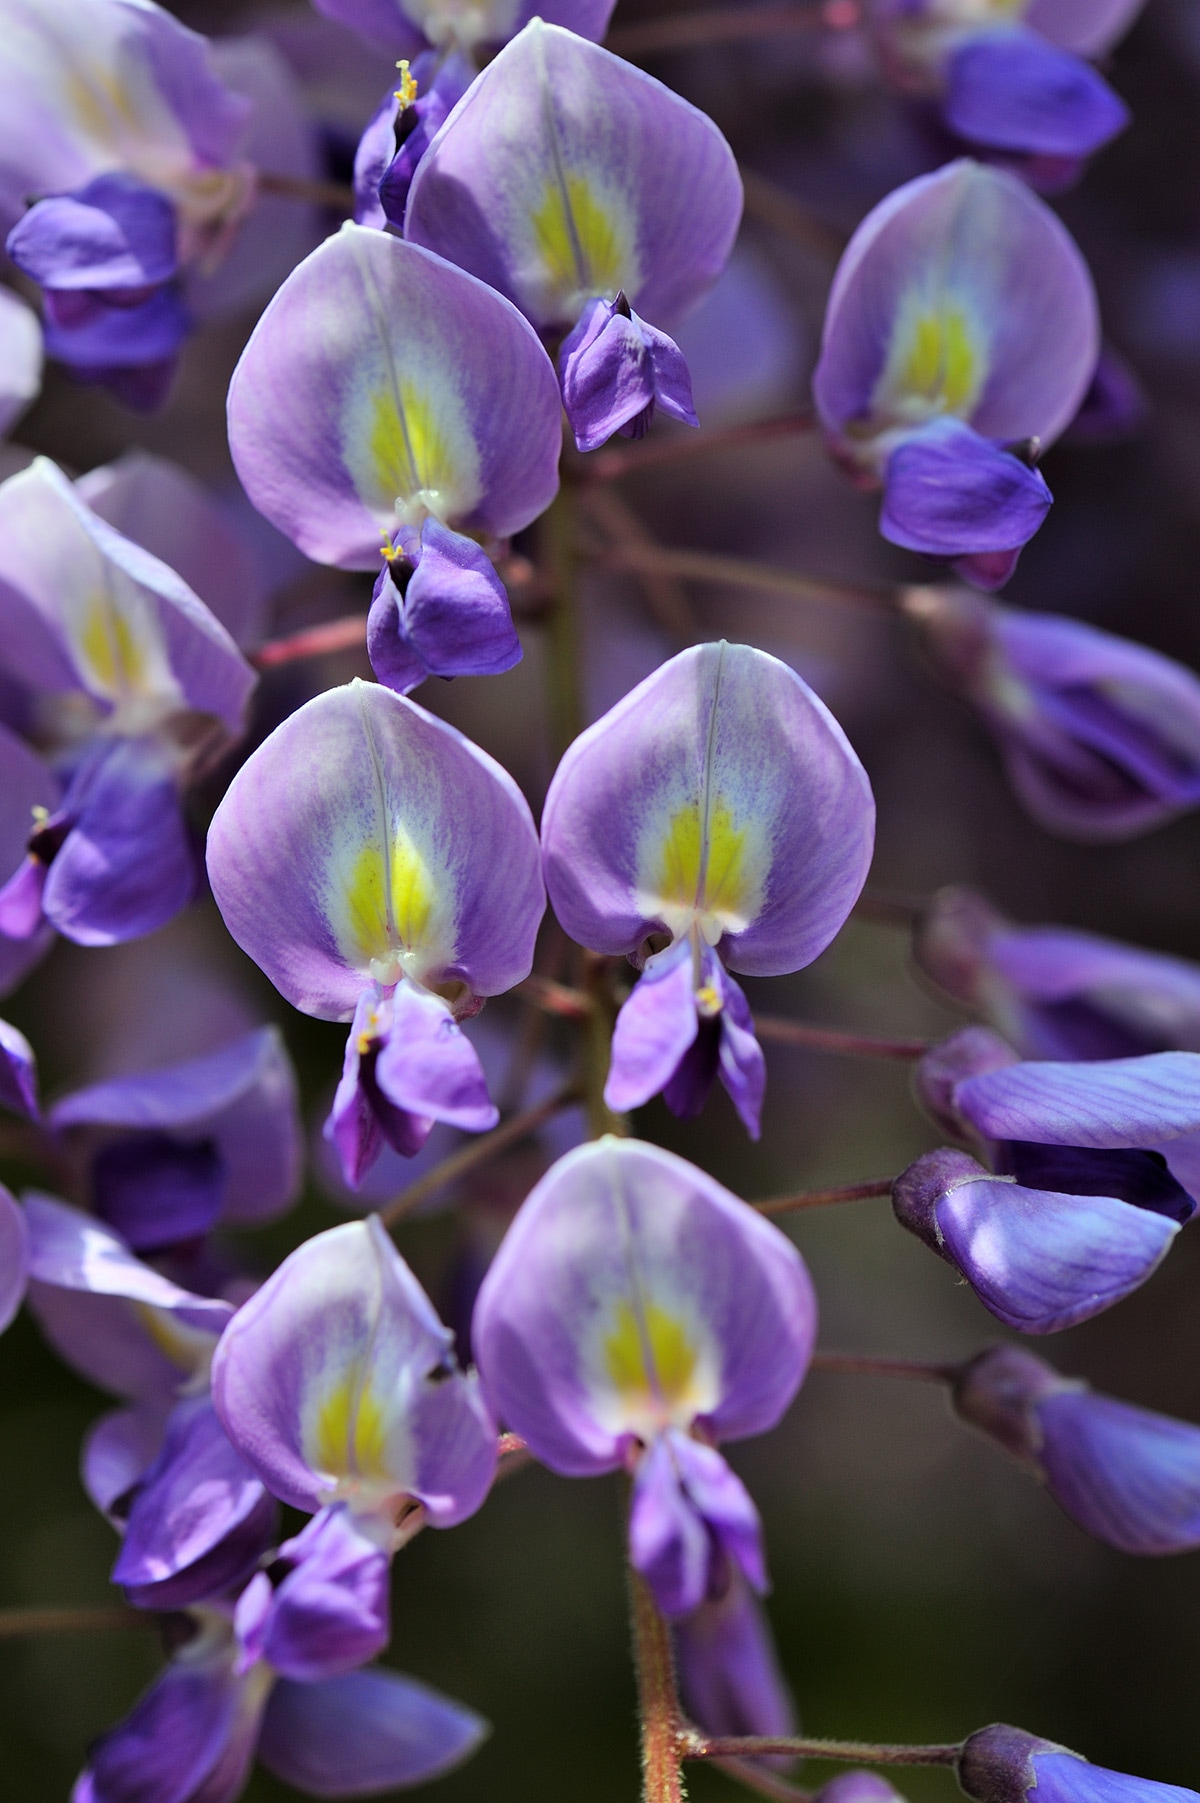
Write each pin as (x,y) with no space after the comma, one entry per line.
(658,1699)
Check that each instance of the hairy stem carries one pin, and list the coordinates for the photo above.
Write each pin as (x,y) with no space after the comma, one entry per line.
(862,1365)
(855,1752)
(488,1145)
(825,1198)
(658,1699)
(833,1039)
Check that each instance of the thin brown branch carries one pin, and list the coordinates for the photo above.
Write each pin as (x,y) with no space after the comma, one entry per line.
(738,572)
(345,634)
(855,1752)
(317,194)
(760,1778)
(663,1734)
(889,909)
(781,212)
(554,998)
(488,1145)
(715,25)
(832,1039)
(665,596)
(100,1619)
(825,1198)
(681,447)
(853,1364)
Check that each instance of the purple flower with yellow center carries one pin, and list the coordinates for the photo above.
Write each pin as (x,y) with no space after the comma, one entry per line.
(1006,1765)
(1011,76)
(337,1384)
(960,337)
(1055,992)
(174,1152)
(383,870)
(1127,1475)
(716,819)
(115,117)
(599,202)
(133,688)
(1100,736)
(1094,1168)
(635,1315)
(389,404)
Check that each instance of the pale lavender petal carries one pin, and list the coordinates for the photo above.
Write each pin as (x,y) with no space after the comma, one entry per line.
(724,750)
(367,1732)
(13,1258)
(565,173)
(118,1449)
(397,27)
(381,384)
(18,1073)
(654,1029)
(1088,27)
(614,1229)
(359,790)
(20,357)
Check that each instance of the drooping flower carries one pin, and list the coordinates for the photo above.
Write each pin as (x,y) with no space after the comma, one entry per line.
(598,201)
(1094,1168)
(383,870)
(1011,79)
(716,819)
(388,399)
(729,1676)
(1129,1476)
(175,1151)
(133,687)
(1006,1765)
(1100,736)
(961,335)
(636,1315)
(1055,992)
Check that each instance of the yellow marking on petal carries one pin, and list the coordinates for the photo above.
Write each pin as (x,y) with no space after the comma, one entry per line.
(348,1437)
(582,241)
(698,869)
(101,105)
(388,911)
(937,361)
(650,1358)
(109,645)
(411,452)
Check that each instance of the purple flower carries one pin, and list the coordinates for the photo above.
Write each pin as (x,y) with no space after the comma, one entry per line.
(193,1736)
(136,688)
(1124,1474)
(594,198)
(1100,736)
(1094,1168)
(1006,1765)
(401,131)
(961,333)
(216,1139)
(381,869)
(635,1315)
(438,609)
(337,1384)
(729,1674)
(717,809)
(1054,992)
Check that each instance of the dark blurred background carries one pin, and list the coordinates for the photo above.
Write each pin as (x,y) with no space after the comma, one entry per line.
(923,1586)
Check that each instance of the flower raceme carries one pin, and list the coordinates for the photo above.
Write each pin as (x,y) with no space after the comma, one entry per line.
(382,870)
(715,820)
(961,334)
(598,201)
(636,1315)
(387,398)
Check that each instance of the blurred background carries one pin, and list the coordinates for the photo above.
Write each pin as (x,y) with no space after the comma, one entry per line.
(923,1586)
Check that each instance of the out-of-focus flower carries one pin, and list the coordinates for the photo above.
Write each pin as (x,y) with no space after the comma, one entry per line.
(729,1674)
(1006,1765)
(1012,79)
(134,687)
(388,403)
(598,201)
(214,1140)
(20,357)
(960,337)
(1126,1475)
(1100,736)
(635,1315)
(717,809)
(1095,1166)
(382,869)
(1054,992)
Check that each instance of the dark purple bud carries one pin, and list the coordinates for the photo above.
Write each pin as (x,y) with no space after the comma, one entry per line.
(1006,1765)
(917,1192)
(116,233)
(965,1054)
(616,369)
(1013,90)
(439,609)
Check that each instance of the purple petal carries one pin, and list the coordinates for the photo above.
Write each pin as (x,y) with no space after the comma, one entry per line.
(114,233)
(1144,1103)
(331,1610)
(100,341)
(156,1192)
(669,1542)
(656,1025)
(949,492)
(451,617)
(429,1067)
(720,791)
(938,1074)
(380,385)
(565,173)
(20,357)
(118,1449)
(336,1378)
(728,1669)
(1012,90)
(365,840)
(18,1073)
(13,1258)
(415,129)
(1128,1476)
(1088,27)
(616,370)
(725,1506)
(367,1732)
(1062,1777)
(619,1234)
(742,1065)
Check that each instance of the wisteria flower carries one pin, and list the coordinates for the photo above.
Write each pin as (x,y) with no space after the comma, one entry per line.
(598,201)
(381,869)
(715,820)
(1100,736)
(1006,1765)
(133,688)
(389,404)
(960,337)
(636,1315)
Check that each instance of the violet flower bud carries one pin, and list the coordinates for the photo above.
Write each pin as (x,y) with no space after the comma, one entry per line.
(1006,1765)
